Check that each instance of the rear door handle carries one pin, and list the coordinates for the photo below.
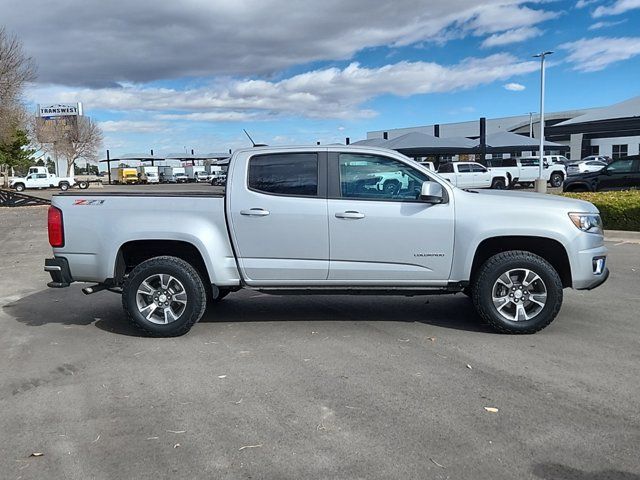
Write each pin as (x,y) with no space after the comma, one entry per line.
(255,212)
(350,214)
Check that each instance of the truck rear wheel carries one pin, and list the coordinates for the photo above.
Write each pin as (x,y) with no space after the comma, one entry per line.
(83,185)
(64,186)
(517,292)
(164,296)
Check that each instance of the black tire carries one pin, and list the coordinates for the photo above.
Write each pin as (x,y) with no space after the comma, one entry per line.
(577,188)
(196,295)
(498,184)
(83,185)
(391,187)
(64,186)
(556,179)
(487,276)
(19,187)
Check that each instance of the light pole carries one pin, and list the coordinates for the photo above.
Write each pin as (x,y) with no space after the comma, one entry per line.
(531,124)
(541,184)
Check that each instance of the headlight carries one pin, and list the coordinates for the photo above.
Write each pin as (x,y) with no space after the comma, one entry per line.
(587,222)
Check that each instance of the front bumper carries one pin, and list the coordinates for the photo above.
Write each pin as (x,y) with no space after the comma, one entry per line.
(590,268)
(58,268)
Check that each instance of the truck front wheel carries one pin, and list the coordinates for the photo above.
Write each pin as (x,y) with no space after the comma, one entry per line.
(499,184)
(164,296)
(556,179)
(517,292)
(19,187)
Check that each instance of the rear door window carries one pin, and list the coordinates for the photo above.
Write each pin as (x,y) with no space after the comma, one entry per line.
(293,174)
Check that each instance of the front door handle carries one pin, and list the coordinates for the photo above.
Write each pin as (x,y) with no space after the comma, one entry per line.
(350,214)
(255,212)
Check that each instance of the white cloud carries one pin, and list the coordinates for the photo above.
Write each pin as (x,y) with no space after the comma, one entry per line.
(593,54)
(599,25)
(323,93)
(584,3)
(100,44)
(511,36)
(616,8)
(131,126)
(514,87)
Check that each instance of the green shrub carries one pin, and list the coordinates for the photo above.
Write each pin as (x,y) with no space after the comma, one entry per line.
(619,210)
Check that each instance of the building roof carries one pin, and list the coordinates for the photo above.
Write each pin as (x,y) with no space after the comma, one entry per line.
(627,109)
(513,140)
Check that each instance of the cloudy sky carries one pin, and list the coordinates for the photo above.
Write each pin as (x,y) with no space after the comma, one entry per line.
(170,75)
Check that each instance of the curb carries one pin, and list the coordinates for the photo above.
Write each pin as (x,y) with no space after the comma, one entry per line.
(621,236)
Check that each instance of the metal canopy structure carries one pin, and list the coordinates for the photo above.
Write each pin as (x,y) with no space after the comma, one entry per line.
(506,142)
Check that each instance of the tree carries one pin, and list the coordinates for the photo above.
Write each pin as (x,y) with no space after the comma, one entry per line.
(16,70)
(71,138)
(16,154)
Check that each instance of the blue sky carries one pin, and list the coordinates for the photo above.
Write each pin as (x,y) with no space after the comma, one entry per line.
(320,72)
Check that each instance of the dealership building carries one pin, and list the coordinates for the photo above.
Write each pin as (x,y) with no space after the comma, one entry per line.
(613,131)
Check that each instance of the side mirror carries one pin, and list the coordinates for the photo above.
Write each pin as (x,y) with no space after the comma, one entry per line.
(431,192)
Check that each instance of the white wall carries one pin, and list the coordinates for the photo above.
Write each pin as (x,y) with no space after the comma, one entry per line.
(606,144)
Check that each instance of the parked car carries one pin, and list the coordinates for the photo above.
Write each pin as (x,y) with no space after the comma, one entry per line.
(623,174)
(299,220)
(526,170)
(599,158)
(472,175)
(585,166)
(181,177)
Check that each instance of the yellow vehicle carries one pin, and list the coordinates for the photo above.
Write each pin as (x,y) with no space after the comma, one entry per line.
(124,175)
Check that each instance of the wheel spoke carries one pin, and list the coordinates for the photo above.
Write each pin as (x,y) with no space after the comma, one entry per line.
(505,279)
(529,278)
(165,280)
(145,288)
(521,313)
(500,302)
(150,308)
(539,298)
(169,316)
(180,297)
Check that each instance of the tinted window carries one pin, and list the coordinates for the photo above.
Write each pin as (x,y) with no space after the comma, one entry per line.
(621,166)
(285,174)
(529,162)
(446,168)
(478,168)
(374,177)
(41,175)
(464,168)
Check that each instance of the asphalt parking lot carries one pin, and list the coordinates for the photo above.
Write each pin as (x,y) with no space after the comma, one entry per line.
(313,387)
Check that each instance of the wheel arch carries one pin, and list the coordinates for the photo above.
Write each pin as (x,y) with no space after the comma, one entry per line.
(134,252)
(551,250)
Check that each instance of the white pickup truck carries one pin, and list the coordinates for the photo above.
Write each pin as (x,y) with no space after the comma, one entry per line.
(46,180)
(472,175)
(311,220)
(526,171)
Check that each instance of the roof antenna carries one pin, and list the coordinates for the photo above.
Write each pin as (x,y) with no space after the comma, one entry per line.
(251,139)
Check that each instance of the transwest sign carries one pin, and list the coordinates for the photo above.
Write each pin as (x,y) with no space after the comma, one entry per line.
(59,110)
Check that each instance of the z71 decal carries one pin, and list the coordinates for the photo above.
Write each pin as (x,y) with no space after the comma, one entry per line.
(88,202)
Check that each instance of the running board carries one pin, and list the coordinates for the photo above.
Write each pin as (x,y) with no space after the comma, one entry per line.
(400,291)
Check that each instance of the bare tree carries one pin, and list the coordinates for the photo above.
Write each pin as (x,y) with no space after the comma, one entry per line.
(71,138)
(16,70)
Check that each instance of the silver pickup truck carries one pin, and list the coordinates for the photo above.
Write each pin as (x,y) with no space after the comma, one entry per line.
(312,220)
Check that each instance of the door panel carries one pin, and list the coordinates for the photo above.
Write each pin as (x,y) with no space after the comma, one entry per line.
(390,240)
(283,236)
